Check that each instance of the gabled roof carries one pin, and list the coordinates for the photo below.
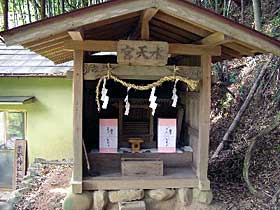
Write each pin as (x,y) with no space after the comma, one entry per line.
(17,61)
(176,21)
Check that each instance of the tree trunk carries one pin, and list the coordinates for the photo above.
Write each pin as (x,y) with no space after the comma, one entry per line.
(62,6)
(242,109)
(28,10)
(35,6)
(242,11)
(257,14)
(5,14)
(248,155)
(43,9)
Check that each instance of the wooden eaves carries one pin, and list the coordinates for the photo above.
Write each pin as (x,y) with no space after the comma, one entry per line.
(174,21)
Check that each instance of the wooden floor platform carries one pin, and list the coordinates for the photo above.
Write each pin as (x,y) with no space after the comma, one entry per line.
(173,178)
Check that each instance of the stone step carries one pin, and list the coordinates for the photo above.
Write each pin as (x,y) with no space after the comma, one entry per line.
(134,205)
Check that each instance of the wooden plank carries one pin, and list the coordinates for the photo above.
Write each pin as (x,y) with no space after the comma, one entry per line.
(189,49)
(146,17)
(174,29)
(111,21)
(112,184)
(170,34)
(78,121)
(51,50)
(147,53)
(216,38)
(46,45)
(93,71)
(91,45)
(241,49)
(111,46)
(106,163)
(141,167)
(204,123)
(182,24)
(46,40)
(19,162)
(173,178)
(90,16)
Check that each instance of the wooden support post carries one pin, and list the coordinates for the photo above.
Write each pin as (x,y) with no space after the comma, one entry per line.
(204,123)
(147,15)
(215,39)
(78,121)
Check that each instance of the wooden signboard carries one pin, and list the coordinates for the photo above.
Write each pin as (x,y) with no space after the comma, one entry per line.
(147,53)
(19,161)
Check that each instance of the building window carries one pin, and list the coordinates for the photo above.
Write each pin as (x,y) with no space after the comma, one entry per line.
(12,128)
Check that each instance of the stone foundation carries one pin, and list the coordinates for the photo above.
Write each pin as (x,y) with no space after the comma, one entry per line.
(159,199)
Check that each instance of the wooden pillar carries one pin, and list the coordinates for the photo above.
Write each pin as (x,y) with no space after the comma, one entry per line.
(78,121)
(204,123)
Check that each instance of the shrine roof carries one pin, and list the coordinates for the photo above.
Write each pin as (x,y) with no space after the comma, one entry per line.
(176,21)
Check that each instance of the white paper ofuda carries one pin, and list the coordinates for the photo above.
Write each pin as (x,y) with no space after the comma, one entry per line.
(108,135)
(167,132)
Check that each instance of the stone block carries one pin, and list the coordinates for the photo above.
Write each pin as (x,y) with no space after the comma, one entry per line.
(184,196)
(161,194)
(134,205)
(81,201)
(125,195)
(100,200)
(203,196)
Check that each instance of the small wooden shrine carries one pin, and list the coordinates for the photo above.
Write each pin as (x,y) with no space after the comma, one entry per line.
(141,88)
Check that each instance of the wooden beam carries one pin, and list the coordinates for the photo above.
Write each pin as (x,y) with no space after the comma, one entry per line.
(93,71)
(67,22)
(215,39)
(76,35)
(182,24)
(78,121)
(127,184)
(91,45)
(192,49)
(111,46)
(146,17)
(204,123)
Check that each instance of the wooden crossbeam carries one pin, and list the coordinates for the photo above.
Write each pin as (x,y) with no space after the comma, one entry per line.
(111,46)
(215,39)
(146,17)
(142,29)
(76,35)
(91,45)
(93,71)
(192,49)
